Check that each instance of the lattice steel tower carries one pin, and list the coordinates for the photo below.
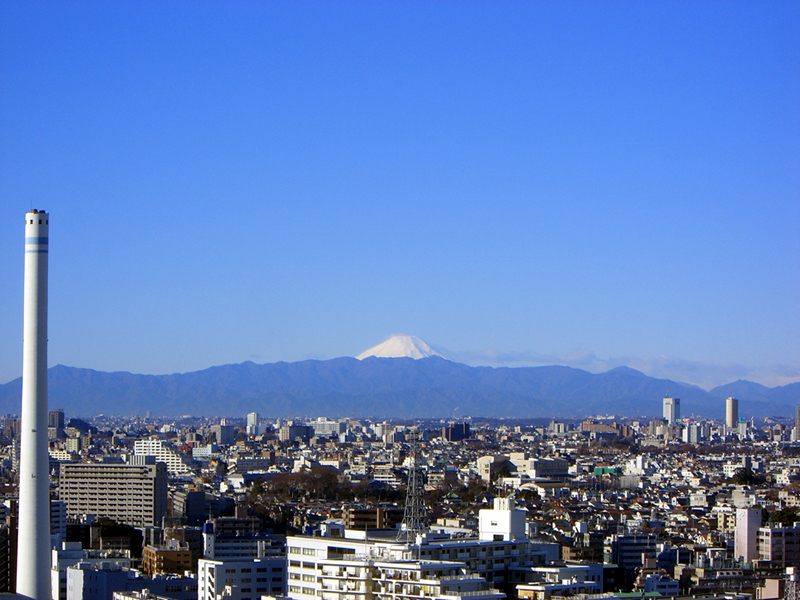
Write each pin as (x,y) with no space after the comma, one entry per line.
(414,516)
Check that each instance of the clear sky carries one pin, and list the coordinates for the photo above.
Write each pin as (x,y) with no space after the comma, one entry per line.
(517,183)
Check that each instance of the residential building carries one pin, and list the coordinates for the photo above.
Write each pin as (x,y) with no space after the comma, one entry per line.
(175,557)
(779,545)
(455,432)
(372,517)
(435,564)
(243,579)
(224,434)
(177,463)
(134,494)
(103,581)
(70,554)
(324,427)
(747,533)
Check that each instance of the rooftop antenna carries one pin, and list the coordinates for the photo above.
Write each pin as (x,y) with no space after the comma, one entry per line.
(414,513)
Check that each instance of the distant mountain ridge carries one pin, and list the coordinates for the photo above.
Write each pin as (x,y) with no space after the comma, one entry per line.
(390,387)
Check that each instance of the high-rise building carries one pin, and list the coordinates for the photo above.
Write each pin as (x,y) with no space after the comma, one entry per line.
(225,434)
(165,452)
(134,494)
(254,424)
(8,544)
(455,432)
(33,546)
(324,427)
(731,413)
(289,433)
(797,422)
(55,418)
(672,410)
(748,522)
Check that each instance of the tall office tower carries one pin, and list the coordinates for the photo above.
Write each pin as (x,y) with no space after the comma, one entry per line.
(672,409)
(253,424)
(797,422)
(55,418)
(33,547)
(731,413)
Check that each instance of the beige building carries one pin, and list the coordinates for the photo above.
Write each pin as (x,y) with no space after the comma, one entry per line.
(134,494)
(176,558)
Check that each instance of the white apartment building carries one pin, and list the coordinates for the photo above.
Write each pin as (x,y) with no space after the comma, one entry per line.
(325,427)
(177,463)
(241,579)
(345,564)
(333,570)
(746,536)
(72,553)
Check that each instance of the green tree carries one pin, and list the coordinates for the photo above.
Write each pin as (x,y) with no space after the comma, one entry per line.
(747,477)
(786,516)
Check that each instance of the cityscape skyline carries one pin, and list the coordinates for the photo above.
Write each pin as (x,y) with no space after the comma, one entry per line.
(591,185)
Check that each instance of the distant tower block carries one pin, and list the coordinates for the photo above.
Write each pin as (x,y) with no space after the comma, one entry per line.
(797,422)
(731,413)
(33,548)
(672,410)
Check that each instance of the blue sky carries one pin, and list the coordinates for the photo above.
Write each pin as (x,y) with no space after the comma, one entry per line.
(517,183)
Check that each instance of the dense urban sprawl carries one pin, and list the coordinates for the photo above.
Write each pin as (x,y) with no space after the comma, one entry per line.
(244,508)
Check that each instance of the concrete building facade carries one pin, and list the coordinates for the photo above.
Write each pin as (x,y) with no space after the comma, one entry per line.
(132,494)
(672,410)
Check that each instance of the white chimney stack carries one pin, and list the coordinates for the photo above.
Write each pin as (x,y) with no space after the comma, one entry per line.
(33,547)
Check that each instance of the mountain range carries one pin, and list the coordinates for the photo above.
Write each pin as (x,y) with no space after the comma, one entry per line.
(399,387)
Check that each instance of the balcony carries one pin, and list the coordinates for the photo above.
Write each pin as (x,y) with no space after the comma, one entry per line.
(491,593)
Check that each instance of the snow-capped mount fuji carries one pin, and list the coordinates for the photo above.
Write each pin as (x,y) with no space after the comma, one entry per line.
(401,346)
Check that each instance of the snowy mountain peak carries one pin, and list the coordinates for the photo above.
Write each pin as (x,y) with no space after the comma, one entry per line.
(401,346)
